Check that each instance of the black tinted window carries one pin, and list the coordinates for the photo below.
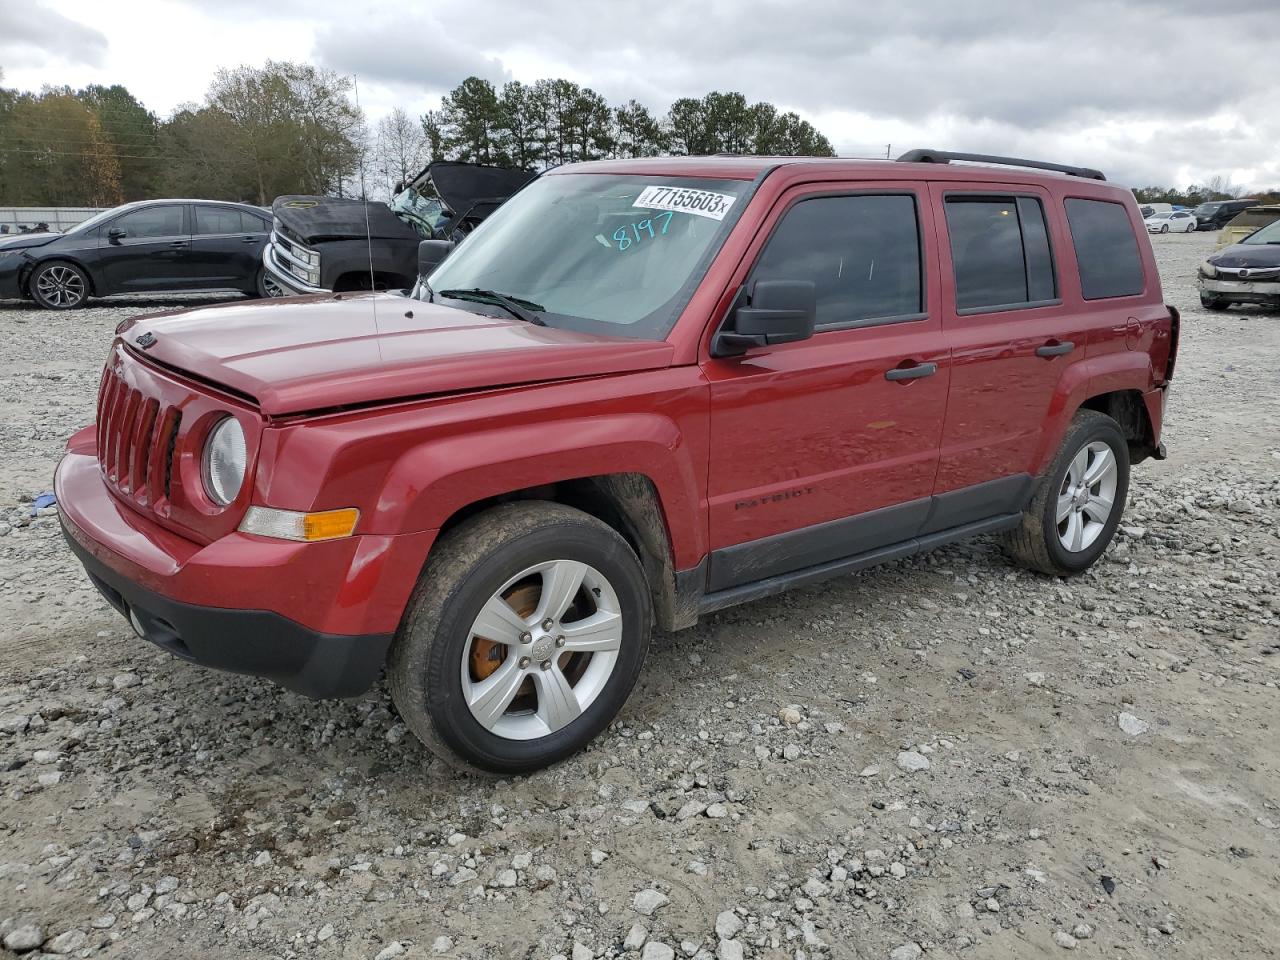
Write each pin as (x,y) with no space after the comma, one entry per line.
(214,220)
(862,253)
(1106,249)
(164,221)
(1000,252)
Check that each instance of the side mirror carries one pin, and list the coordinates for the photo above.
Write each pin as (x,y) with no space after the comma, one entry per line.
(781,311)
(431,254)
(115,233)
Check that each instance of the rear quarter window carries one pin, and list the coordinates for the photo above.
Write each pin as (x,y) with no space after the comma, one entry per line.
(1106,249)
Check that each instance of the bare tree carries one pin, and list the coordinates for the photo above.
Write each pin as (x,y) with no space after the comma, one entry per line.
(399,149)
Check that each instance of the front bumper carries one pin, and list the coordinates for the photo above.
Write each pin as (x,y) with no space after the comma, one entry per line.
(1242,291)
(256,642)
(286,279)
(317,618)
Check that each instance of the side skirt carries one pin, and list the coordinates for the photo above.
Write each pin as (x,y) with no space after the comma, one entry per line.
(771,586)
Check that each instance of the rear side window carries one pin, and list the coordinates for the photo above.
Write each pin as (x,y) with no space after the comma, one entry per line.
(862,253)
(1106,249)
(1000,252)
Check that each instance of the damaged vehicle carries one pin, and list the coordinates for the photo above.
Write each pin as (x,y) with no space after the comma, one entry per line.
(1245,272)
(1247,223)
(332,244)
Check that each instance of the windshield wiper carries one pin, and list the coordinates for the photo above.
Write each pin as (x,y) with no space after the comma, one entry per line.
(517,307)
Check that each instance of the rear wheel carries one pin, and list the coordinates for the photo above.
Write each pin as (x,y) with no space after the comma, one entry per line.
(59,285)
(524,638)
(1079,502)
(267,286)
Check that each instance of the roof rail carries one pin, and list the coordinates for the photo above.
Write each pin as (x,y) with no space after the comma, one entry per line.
(946,156)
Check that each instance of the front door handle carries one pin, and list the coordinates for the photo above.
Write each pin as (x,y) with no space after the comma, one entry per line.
(178,243)
(1055,349)
(249,240)
(914,372)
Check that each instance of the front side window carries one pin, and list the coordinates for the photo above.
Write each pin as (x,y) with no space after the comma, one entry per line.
(613,254)
(1000,252)
(1106,249)
(160,221)
(861,252)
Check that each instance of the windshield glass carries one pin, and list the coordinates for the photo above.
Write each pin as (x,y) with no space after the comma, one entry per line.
(1268,234)
(96,219)
(424,214)
(609,254)
(1205,209)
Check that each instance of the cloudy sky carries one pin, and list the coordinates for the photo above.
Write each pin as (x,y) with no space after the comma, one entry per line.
(1151,91)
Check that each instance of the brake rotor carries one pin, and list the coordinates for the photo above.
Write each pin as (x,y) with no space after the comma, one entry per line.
(486,655)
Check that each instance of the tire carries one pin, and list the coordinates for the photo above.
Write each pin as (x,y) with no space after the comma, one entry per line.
(59,285)
(267,287)
(1049,545)
(1164,228)
(1213,303)
(509,557)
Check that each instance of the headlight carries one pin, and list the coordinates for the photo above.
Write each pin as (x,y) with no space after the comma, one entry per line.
(224,461)
(1208,270)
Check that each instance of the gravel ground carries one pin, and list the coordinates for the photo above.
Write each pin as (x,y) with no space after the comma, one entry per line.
(943,757)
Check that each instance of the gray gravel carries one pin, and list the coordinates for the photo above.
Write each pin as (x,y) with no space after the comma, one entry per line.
(946,756)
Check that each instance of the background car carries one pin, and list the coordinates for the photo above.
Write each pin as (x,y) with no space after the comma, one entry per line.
(1246,272)
(1175,221)
(1248,223)
(143,247)
(1216,214)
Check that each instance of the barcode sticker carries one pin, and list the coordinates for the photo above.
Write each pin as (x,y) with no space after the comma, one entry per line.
(701,203)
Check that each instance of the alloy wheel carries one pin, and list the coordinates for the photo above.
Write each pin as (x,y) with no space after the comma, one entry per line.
(60,286)
(1087,496)
(542,649)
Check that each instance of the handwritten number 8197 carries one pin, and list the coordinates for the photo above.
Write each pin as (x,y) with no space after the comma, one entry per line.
(640,229)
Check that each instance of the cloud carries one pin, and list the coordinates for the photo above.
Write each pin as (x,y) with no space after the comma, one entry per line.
(31,34)
(405,51)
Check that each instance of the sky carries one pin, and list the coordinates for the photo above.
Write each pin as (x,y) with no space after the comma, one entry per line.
(1168,92)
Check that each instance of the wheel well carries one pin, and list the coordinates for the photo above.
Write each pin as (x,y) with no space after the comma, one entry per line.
(25,282)
(628,503)
(359,280)
(1126,408)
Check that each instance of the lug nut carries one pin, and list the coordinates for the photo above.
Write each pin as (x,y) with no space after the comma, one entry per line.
(524,662)
(546,664)
(526,638)
(559,641)
(548,623)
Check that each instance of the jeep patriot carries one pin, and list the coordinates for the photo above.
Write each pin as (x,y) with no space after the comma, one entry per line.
(640,392)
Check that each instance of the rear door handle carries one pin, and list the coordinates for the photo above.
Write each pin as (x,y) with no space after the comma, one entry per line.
(911,373)
(178,243)
(249,240)
(1055,349)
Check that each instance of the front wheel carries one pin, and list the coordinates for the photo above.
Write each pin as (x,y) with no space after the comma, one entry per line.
(59,286)
(1164,228)
(1213,303)
(1080,500)
(524,638)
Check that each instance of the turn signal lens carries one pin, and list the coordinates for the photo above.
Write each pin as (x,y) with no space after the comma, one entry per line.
(304,527)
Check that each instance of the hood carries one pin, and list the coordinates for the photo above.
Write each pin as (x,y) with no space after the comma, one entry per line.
(311,353)
(1248,255)
(24,241)
(317,219)
(462,185)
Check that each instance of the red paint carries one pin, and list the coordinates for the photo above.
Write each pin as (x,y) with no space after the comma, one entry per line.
(422,416)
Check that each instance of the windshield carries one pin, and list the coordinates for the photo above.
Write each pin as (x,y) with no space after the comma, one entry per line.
(1205,209)
(1268,234)
(96,219)
(616,255)
(424,214)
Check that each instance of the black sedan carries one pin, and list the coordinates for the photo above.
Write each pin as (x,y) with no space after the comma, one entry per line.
(143,247)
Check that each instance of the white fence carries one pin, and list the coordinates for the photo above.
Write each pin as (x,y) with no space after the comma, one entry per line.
(15,219)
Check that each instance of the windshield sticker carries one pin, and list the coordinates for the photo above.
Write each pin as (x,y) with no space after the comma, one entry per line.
(701,203)
(646,229)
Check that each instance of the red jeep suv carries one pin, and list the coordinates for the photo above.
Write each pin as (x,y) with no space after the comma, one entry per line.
(641,391)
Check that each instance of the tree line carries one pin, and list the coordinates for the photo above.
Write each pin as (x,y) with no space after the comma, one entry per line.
(282,128)
(1216,188)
